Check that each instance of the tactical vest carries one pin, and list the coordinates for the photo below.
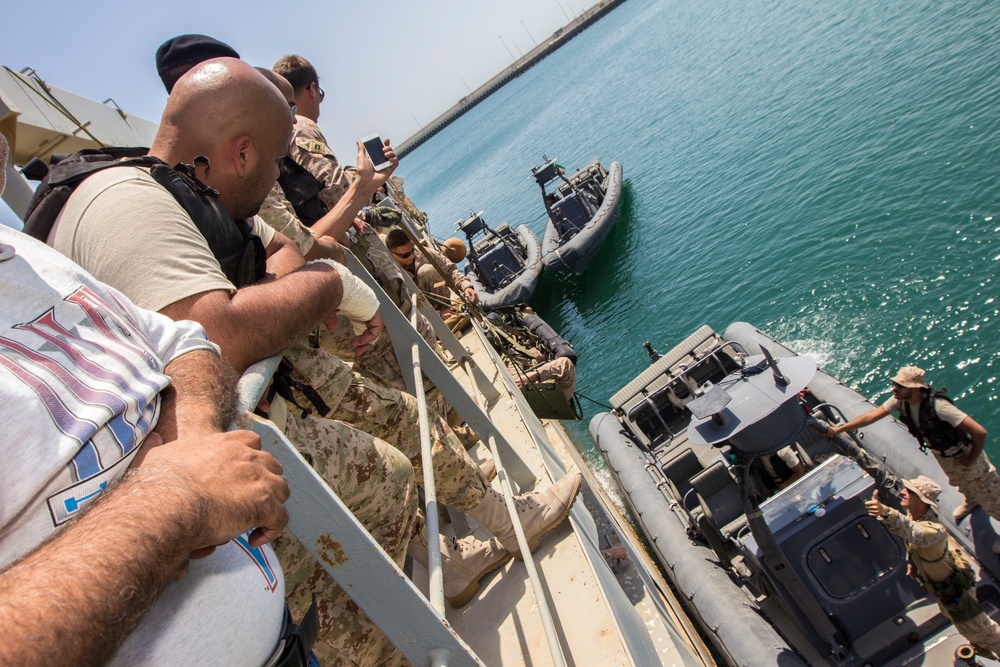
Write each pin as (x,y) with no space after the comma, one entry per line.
(301,189)
(933,432)
(241,254)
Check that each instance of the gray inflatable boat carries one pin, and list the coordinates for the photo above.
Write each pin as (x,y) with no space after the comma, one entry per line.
(503,266)
(581,211)
(794,574)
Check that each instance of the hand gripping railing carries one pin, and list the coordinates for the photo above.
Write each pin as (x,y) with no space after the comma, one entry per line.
(326,527)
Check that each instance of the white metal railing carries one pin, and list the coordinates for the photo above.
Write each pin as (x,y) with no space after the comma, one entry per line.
(326,527)
(435,585)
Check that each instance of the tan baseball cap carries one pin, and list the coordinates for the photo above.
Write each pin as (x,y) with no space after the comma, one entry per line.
(926,489)
(911,376)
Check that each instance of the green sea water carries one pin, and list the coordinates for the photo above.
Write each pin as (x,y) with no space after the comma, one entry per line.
(825,170)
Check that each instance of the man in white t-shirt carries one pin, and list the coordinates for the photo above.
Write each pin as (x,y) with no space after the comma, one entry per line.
(99,513)
(955,439)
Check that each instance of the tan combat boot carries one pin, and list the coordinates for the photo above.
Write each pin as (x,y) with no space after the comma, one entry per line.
(964,509)
(538,511)
(463,563)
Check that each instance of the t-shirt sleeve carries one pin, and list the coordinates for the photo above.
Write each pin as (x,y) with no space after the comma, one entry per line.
(891,405)
(131,234)
(948,412)
(263,231)
(168,339)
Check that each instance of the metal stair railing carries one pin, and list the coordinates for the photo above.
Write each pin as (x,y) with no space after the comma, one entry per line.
(326,527)
(405,336)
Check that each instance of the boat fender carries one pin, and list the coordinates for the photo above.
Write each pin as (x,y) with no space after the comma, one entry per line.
(556,344)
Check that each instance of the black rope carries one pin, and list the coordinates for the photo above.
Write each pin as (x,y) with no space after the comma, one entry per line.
(603,405)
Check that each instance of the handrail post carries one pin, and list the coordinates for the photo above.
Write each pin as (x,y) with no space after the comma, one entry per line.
(555,648)
(435,579)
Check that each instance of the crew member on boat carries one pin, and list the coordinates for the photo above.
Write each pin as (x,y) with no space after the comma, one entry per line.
(955,439)
(429,276)
(938,563)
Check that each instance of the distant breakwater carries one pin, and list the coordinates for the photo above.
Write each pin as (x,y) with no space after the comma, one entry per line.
(516,69)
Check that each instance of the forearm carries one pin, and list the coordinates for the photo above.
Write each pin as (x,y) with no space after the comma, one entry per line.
(201,397)
(283,257)
(864,420)
(263,319)
(72,600)
(326,247)
(338,220)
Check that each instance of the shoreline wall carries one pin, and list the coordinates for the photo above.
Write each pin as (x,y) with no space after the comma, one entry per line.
(518,67)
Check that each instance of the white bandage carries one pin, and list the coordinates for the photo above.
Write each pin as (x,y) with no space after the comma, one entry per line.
(359,303)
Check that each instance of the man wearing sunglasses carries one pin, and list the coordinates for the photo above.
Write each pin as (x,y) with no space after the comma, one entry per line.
(429,278)
(955,439)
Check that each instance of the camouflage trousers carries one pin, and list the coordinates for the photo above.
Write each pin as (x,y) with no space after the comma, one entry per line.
(560,370)
(979,482)
(982,632)
(391,415)
(379,362)
(377,484)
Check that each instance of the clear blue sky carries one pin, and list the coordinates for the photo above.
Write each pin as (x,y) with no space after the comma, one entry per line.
(384,66)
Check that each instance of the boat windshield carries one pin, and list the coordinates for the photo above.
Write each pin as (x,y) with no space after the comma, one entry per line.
(837,477)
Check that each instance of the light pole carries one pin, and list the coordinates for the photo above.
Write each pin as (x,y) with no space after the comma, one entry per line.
(466,85)
(563,11)
(512,58)
(517,47)
(529,32)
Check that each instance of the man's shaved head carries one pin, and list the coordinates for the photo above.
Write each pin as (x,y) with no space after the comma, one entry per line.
(227,111)
(281,83)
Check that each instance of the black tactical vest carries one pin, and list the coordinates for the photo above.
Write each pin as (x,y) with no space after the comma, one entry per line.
(301,189)
(932,432)
(241,254)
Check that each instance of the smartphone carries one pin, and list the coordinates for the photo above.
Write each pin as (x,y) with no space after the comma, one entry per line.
(374,147)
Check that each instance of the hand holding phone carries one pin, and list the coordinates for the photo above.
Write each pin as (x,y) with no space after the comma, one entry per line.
(375,148)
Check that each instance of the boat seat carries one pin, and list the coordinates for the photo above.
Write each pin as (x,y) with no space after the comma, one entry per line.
(569,215)
(679,470)
(720,498)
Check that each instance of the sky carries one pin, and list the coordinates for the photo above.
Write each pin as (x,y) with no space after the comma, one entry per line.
(387,67)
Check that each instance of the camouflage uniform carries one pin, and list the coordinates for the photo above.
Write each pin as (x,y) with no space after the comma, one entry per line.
(428,279)
(308,147)
(377,484)
(560,370)
(391,414)
(278,213)
(927,544)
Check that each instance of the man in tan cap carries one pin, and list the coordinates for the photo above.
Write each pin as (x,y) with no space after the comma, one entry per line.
(938,563)
(955,439)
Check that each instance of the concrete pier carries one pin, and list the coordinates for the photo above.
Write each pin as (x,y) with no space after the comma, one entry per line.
(518,67)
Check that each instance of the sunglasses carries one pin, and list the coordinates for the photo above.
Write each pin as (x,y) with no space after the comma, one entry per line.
(319,91)
(896,385)
(403,255)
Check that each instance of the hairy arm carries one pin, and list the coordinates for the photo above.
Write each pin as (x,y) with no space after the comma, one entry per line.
(340,218)
(282,256)
(201,398)
(263,319)
(72,600)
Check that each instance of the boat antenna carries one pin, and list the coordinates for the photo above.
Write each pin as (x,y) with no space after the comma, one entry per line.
(779,378)
(654,356)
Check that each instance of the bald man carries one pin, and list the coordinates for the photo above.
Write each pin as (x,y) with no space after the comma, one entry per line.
(231,126)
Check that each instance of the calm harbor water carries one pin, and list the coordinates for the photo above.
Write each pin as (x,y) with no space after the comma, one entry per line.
(827,171)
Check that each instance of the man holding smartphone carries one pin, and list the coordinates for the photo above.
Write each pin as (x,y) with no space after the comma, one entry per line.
(309,148)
